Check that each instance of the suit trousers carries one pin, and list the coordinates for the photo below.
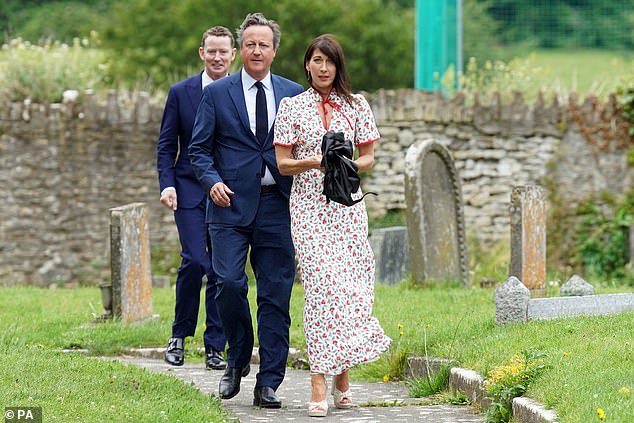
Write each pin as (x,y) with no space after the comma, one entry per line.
(272,258)
(195,248)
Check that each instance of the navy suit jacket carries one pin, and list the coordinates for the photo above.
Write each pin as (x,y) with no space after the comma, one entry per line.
(172,162)
(223,148)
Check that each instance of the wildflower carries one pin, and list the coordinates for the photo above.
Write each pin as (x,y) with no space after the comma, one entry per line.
(565,353)
(600,413)
(624,390)
(400,326)
(401,333)
(386,378)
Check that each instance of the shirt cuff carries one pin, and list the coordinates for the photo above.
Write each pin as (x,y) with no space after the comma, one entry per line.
(167,189)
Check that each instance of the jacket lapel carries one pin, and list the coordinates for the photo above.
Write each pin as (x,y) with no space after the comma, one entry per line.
(194,91)
(237,96)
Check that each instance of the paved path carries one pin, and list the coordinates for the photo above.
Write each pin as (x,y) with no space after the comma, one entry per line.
(295,391)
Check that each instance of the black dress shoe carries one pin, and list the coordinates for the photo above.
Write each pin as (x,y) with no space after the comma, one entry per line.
(214,359)
(229,385)
(175,352)
(264,396)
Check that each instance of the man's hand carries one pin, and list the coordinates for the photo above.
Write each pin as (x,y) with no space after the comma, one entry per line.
(219,194)
(169,198)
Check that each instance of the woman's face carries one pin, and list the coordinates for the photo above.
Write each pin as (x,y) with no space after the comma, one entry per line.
(322,71)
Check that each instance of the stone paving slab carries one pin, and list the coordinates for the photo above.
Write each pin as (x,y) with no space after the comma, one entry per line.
(295,393)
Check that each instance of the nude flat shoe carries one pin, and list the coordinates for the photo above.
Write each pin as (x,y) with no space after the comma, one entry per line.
(339,396)
(318,409)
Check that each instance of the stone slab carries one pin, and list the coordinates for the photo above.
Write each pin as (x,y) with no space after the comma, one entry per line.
(130,266)
(469,382)
(589,305)
(527,410)
(391,254)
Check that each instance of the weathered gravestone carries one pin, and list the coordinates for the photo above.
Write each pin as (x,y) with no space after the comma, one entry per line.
(576,287)
(130,263)
(390,253)
(435,219)
(528,237)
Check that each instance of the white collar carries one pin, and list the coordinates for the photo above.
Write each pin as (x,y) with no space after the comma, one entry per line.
(207,79)
(248,80)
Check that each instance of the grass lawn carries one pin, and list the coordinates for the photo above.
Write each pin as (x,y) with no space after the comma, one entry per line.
(560,72)
(590,360)
(583,71)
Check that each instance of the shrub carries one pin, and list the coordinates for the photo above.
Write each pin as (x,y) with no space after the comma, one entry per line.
(509,381)
(43,72)
(601,238)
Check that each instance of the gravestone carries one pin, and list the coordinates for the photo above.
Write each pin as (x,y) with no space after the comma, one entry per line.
(435,218)
(390,253)
(576,287)
(511,302)
(130,263)
(528,238)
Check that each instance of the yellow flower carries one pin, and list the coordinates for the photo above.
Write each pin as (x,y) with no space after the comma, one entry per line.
(565,353)
(401,333)
(600,413)
(624,390)
(386,378)
(400,326)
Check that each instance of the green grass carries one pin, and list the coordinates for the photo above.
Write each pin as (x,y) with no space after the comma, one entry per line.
(583,71)
(558,72)
(70,387)
(452,323)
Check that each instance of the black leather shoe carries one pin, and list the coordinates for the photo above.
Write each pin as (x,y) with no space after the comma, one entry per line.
(264,396)
(175,352)
(214,359)
(229,385)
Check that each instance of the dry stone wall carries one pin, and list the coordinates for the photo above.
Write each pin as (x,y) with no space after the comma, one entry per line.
(497,146)
(63,166)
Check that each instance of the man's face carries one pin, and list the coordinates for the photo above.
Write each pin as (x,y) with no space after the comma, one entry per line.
(218,53)
(257,50)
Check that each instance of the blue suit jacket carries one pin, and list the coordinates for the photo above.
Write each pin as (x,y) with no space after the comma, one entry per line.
(172,161)
(223,148)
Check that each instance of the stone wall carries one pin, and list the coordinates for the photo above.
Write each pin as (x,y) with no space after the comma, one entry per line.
(580,148)
(63,166)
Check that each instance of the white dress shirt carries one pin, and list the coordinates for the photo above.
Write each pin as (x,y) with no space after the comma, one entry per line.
(250,91)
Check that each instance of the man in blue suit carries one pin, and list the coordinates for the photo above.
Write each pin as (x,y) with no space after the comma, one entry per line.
(182,193)
(233,156)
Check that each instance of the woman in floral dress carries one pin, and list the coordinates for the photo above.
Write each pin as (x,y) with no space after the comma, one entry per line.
(331,240)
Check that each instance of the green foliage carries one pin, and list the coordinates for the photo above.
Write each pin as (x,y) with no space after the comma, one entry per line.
(43,72)
(565,23)
(480,30)
(61,20)
(625,98)
(424,387)
(509,381)
(602,235)
(165,259)
(546,71)
(165,53)
(488,262)
(391,218)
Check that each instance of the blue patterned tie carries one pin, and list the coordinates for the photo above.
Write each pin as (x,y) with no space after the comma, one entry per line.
(261,114)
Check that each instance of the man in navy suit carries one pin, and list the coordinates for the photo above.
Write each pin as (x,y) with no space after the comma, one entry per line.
(233,156)
(182,193)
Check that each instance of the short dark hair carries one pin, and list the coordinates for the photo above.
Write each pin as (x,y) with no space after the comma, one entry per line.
(329,45)
(217,31)
(259,19)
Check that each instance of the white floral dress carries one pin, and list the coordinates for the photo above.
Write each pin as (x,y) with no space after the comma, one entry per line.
(331,240)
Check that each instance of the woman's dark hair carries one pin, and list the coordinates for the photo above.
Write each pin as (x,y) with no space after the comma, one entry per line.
(329,45)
